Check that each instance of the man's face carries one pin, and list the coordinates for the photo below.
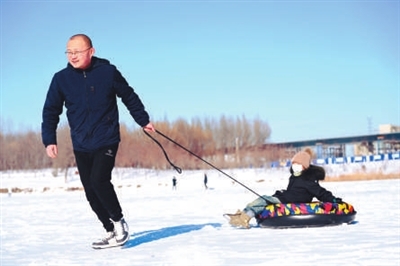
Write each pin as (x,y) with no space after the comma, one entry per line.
(79,53)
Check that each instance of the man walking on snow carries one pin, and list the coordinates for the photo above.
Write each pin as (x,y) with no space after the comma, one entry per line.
(89,87)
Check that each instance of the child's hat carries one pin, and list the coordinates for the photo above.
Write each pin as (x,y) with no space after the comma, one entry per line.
(303,158)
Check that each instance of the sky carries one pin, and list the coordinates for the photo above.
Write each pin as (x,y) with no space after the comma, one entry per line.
(186,226)
(310,69)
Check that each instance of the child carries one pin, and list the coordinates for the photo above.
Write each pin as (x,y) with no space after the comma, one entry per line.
(302,188)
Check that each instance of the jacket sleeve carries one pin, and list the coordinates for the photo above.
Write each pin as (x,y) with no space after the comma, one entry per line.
(130,99)
(320,193)
(52,110)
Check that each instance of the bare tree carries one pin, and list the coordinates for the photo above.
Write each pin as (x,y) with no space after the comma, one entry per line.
(225,142)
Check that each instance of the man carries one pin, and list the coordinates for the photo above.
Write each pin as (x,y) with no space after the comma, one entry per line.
(205,181)
(174,181)
(89,87)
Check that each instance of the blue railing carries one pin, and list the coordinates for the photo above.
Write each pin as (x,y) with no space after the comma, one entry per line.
(349,159)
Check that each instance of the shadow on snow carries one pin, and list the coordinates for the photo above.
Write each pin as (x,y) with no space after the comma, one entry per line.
(153,235)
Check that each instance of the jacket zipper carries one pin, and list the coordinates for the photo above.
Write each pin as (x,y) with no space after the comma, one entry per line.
(87,102)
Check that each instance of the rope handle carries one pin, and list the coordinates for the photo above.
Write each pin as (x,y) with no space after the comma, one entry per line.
(179,170)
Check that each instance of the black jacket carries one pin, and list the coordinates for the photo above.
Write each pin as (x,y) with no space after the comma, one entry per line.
(305,187)
(90,98)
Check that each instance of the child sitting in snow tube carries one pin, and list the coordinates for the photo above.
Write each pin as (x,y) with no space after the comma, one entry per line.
(302,188)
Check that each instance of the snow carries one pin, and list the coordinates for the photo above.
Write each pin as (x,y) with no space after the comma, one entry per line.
(54,226)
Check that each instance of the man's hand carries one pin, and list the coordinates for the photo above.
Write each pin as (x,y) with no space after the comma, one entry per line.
(149,127)
(52,151)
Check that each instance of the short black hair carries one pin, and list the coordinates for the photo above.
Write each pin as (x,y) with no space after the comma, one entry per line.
(85,37)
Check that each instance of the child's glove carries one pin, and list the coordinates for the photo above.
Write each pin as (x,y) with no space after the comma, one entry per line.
(337,200)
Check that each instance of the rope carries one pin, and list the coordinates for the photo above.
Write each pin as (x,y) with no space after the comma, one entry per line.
(179,170)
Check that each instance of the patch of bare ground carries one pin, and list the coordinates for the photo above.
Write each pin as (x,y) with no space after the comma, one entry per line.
(362,177)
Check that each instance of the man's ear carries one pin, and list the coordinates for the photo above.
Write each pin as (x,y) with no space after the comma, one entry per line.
(92,51)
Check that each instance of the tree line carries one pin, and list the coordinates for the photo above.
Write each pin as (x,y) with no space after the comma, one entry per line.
(224,142)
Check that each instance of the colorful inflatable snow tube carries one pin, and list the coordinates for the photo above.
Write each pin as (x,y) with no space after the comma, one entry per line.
(314,214)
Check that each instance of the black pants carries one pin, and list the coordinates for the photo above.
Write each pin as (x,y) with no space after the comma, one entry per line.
(95,172)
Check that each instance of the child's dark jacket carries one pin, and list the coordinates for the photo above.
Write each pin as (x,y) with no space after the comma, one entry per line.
(305,187)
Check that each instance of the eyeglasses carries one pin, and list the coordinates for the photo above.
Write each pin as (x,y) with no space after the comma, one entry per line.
(70,53)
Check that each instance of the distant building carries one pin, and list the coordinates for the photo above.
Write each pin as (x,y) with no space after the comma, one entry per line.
(388,128)
(386,142)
